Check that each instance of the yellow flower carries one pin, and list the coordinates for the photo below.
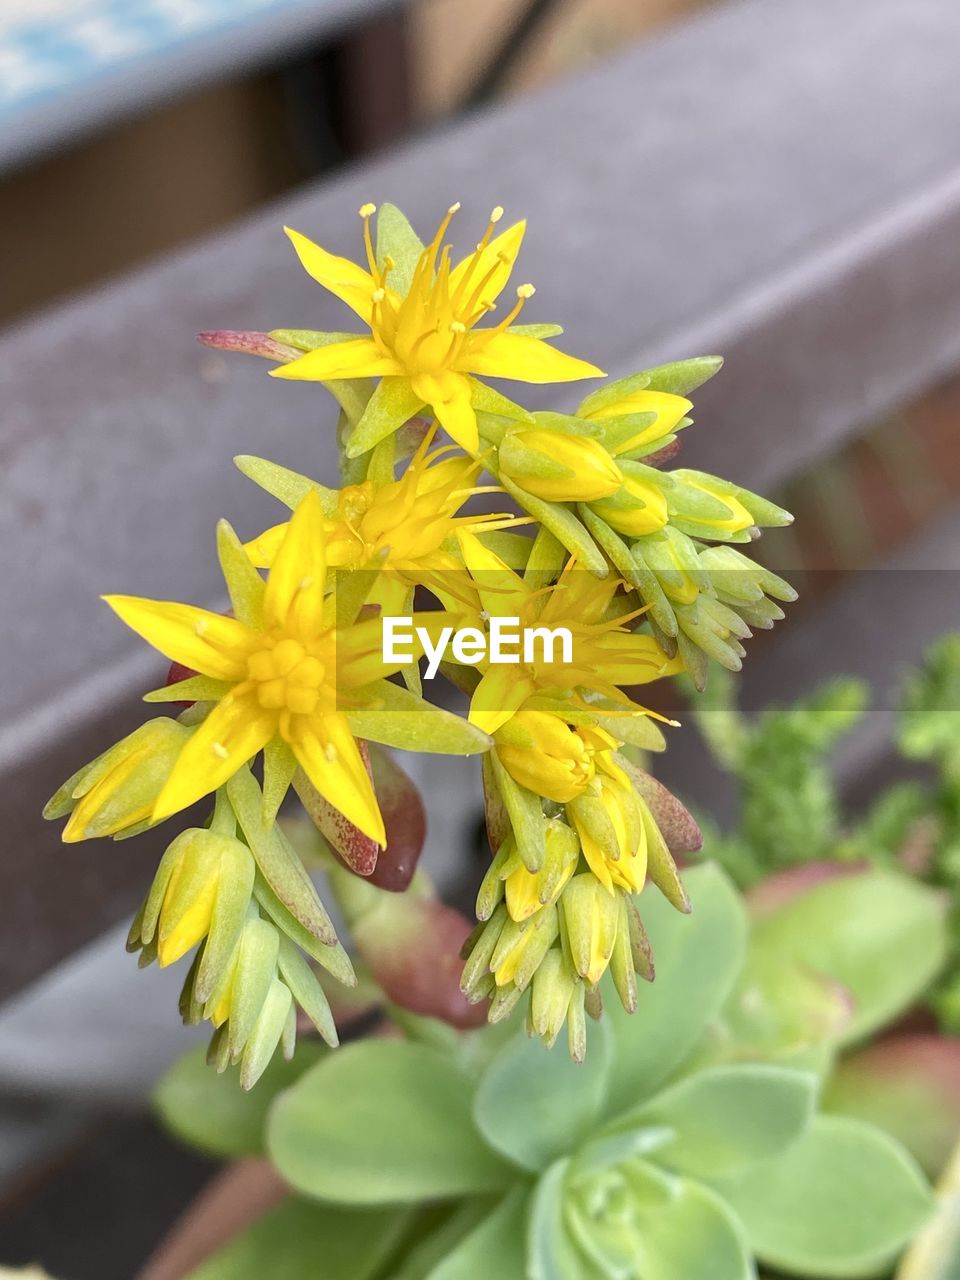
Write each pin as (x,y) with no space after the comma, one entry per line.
(548,756)
(725,513)
(669,410)
(117,792)
(401,525)
(275,672)
(558,467)
(604,653)
(423,342)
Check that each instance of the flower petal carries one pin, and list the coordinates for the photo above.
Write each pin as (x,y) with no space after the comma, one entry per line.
(330,757)
(358,358)
(518,356)
(497,259)
(295,585)
(262,550)
(501,692)
(234,731)
(343,278)
(448,394)
(206,642)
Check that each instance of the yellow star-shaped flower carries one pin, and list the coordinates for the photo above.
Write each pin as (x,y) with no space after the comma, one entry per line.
(423,342)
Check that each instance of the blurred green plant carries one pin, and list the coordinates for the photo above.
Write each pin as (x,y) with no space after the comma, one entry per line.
(699,1139)
(790,809)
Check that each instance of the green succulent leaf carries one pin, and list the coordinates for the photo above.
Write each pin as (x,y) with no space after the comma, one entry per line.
(210,1112)
(382,1122)
(394,716)
(881,935)
(683,1229)
(497,1247)
(534,1105)
(723,1118)
(841,1202)
(299,1239)
(698,958)
(550,1254)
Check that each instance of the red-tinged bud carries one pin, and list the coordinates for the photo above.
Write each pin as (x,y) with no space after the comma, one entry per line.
(497,820)
(412,948)
(249,342)
(784,887)
(677,824)
(909,1086)
(403,816)
(405,819)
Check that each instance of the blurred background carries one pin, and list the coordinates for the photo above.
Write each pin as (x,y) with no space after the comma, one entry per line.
(779,180)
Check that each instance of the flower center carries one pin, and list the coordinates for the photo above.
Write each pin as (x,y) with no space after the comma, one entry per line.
(288,676)
(428,329)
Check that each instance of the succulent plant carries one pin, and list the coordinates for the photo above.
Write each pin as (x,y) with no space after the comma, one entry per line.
(696,1140)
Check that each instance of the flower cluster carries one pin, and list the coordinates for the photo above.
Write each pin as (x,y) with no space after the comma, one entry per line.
(637,565)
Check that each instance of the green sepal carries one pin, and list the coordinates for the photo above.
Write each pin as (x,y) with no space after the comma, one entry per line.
(395,717)
(332,958)
(397,239)
(393,403)
(288,487)
(266,1034)
(244,583)
(307,991)
(564,525)
(525,811)
(279,865)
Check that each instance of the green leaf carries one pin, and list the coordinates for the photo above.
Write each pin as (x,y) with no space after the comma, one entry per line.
(382,1122)
(534,1105)
(725,1117)
(396,717)
(550,1255)
(288,487)
(397,239)
(497,1247)
(842,1201)
(300,1239)
(881,935)
(698,958)
(211,1112)
(683,1231)
(935,1252)
(537,330)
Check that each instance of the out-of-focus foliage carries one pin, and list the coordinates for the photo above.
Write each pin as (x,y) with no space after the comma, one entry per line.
(790,809)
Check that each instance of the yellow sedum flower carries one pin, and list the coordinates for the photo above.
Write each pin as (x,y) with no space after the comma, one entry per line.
(277,672)
(424,342)
(401,525)
(614,840)
(639,507)
(605,654)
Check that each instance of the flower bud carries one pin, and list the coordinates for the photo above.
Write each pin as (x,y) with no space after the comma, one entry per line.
(612,833)
(550,995)
(668,410)
(591,917)
(527,891)
(558,467)
(548,756)
(202,887)
(117,792)
(711,506)
(521,947)
(637,508)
